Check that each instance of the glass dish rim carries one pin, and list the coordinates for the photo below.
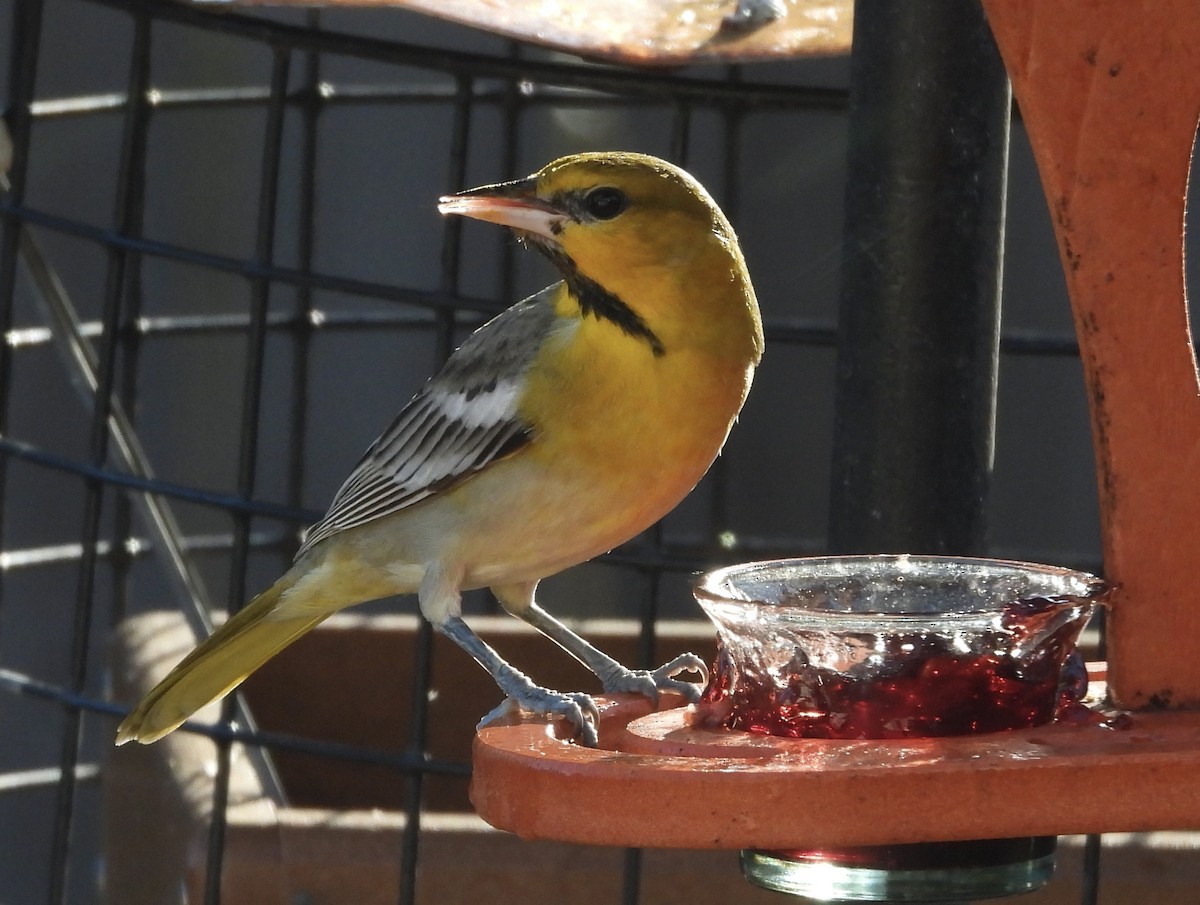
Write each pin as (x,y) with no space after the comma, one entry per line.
(706,587)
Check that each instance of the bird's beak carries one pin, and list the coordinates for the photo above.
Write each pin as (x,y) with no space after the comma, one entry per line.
(515,204)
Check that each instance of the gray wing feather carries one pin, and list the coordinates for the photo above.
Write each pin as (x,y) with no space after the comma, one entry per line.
(462,420)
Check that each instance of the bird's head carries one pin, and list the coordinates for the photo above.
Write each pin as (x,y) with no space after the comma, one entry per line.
(630,233)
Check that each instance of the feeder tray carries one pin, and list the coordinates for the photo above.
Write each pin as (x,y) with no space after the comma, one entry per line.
(645,32)
(655,781)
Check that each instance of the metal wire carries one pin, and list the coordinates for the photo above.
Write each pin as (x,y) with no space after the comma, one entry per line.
(444,339)
(511,84)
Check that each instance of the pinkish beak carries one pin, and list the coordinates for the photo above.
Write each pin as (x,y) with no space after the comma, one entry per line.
(512,204)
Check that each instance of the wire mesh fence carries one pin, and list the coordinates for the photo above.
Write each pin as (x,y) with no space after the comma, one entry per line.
(222,272)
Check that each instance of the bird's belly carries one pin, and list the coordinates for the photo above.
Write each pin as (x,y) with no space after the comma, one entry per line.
(531,528)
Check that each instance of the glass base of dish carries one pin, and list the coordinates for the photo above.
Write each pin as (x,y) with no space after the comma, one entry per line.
(922,872)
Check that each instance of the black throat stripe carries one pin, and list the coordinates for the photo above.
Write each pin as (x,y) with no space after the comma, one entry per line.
(596,300)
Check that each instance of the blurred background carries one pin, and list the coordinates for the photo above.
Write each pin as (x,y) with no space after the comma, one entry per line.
(266,338)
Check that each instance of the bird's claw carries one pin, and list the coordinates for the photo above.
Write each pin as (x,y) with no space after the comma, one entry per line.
(578,708)
(649,682)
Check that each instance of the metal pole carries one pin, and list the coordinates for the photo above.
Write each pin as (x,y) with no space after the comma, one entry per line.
(919,309)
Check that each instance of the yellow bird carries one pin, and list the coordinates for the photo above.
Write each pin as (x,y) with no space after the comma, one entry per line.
(558,430)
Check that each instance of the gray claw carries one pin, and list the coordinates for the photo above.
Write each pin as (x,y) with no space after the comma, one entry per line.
(578,708)
(650,682)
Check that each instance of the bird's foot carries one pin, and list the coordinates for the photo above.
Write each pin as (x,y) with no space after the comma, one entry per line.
(578,708)
(649,682)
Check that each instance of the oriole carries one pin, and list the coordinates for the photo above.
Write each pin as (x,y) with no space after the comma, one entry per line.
(561,428)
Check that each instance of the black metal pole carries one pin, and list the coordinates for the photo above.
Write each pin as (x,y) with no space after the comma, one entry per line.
(919,316)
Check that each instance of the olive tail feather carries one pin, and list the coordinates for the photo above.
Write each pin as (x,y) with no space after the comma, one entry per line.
(217,666)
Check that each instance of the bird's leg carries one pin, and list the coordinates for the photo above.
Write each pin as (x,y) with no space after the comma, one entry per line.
(519,689)
(613,676)
(519,600)
(441,603)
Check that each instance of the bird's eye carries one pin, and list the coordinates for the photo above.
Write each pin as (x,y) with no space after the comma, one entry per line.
(605,202)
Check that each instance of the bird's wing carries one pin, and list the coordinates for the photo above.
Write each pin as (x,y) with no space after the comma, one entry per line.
(461,421)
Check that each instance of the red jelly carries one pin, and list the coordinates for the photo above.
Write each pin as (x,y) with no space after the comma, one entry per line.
(917,685)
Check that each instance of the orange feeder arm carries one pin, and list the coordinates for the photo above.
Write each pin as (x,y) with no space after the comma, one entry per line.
(1109,91)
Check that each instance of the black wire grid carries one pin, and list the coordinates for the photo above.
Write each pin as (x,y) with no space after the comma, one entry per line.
(129,516)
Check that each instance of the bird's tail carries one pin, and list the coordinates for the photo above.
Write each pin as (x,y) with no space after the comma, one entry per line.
(216,666)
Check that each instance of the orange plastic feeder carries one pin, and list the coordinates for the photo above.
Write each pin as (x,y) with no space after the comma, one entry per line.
(1109,91)
(656,782)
